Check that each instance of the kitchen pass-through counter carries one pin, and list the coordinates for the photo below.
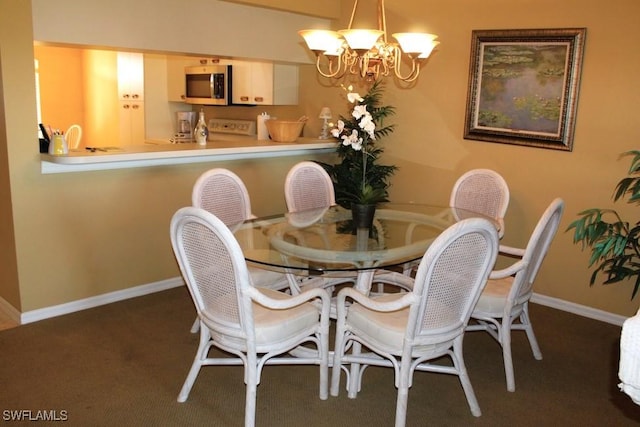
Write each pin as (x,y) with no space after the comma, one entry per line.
(156,153)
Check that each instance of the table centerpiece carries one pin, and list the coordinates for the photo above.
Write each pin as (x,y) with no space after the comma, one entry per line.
(360,181)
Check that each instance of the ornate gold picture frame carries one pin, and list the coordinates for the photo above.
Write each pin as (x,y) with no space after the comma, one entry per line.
(523,86)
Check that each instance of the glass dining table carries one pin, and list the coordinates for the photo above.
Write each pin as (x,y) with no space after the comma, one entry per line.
(325,242)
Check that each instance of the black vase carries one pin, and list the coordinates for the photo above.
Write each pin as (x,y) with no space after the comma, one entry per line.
(363,215)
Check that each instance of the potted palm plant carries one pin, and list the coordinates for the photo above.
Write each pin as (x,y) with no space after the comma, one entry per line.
(614,242)
(360,181)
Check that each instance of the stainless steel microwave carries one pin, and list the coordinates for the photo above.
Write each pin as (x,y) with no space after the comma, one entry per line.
(208,84)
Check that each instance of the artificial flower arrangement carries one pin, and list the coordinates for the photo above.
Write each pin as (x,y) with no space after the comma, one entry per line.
(359,178)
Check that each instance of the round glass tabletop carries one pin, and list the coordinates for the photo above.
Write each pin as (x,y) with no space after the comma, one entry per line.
(326,240)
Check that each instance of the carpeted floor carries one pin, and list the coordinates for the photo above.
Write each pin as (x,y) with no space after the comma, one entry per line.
(123,364)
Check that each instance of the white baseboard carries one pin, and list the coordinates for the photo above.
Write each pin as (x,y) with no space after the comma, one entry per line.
(83,304)
(70,307)
(580,310)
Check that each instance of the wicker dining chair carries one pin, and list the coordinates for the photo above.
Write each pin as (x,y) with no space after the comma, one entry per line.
(484,191)
(308,186)
(504,304)
(407,331)
(253,326)
(73,136)
(224,194)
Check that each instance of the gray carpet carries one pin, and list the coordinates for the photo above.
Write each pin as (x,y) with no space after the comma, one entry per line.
(123,364)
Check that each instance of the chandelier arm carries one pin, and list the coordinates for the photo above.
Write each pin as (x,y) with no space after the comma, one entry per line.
(415,70)
(331,73)
(385,67)
(415,74)
(370,69)
(364,64)
(341,68)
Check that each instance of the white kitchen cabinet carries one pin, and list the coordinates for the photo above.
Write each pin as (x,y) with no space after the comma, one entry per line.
(131,122)
(176,88)
(130,76)
(264,83)
(131,97)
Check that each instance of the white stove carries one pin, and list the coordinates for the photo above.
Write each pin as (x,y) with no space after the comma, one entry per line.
(231,127)
(219,130)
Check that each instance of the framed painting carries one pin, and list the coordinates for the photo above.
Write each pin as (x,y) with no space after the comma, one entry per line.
(523,86)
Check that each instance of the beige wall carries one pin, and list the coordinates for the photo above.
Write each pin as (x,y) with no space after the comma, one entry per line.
(325,8)
(9,268)
(197,27)
(85,234)
(80,235)
(432,154)
(429,148)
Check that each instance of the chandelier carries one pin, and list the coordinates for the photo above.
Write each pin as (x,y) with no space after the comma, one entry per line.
(367,52)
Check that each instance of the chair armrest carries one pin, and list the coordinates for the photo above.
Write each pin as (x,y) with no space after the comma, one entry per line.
(509,271)
(405,300)
(509,250)
(290,301)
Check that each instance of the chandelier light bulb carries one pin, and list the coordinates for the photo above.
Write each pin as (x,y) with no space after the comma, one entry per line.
(361,40)
(427,52)
(415,43)
(320,40)
(335,47)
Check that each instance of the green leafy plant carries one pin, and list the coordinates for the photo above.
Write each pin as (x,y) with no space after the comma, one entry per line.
(359,177)
(614,242)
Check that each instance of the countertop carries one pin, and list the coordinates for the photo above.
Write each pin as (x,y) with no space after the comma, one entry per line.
(159,152)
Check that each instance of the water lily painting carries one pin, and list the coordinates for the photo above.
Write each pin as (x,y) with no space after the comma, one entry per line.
(523,86)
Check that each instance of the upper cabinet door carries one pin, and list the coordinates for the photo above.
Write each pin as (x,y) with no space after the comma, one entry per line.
(264,83)
(243,85)
(130,76)
(285,84)
(176,84)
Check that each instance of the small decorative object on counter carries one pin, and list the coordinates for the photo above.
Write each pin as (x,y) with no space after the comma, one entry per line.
(263,132)
(285,130)
(58,145)
(325,115)
(201,131)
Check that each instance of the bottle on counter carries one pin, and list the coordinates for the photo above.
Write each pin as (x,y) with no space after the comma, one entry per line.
(201,131)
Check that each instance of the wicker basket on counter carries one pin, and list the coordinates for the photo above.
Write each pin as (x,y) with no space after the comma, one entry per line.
(284,130)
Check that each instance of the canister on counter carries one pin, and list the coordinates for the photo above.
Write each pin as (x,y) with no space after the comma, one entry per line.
(58,145)
(261,127)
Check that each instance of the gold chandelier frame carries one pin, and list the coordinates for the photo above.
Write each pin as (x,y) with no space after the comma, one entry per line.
(367,52)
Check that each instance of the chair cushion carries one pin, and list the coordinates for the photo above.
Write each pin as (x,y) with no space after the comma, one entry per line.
(494,296)
(386,331)
(388,328)
(272,326)
(268,279)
